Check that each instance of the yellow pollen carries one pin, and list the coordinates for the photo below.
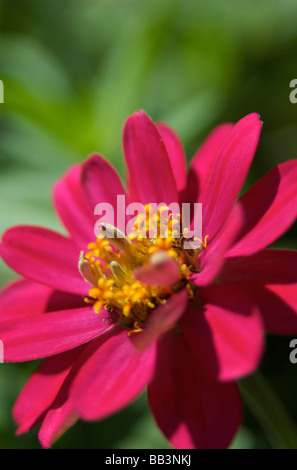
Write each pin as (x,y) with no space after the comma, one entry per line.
(109,267)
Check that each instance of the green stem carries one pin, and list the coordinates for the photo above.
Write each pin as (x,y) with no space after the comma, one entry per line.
(269,411)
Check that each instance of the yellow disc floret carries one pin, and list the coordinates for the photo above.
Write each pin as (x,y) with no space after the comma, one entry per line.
(111,261)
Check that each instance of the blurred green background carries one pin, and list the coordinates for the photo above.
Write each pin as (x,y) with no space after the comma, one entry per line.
(74,70)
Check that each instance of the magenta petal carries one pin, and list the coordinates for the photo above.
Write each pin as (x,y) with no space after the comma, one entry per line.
(113,374)
(270,208)
(228,172)
(75,212)
(277,304)
(161,319)
(176,154)
(212,259)
(59,418)
(266,266)
(191,408)
(43,256)
(37,336)
(225,333)
(162,270)
(150,176)
(102,184)
(22,297)
(40,391)
(202,162)
(56,422)
(61,415)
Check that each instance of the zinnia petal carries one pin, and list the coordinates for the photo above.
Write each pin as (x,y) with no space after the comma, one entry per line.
(161,319)
(22,297)
(212,258)
(228,172)
(270,208)
(75,212)
(102,184)
(41,389)
(43,256)
(268,266)
(33,337)
(58,419)
(161,270)
(113,374)
(226,332)
(277,304)
(150,176)
(202,162)
(175,153)
(191,408)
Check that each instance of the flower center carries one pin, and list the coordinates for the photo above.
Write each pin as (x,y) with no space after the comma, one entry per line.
(122,269)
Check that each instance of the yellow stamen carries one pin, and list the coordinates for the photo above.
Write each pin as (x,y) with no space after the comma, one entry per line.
(109,264)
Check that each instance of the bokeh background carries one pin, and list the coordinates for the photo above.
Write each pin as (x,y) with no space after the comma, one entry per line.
(74,70)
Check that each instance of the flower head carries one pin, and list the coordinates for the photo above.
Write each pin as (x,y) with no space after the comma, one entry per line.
(155,307)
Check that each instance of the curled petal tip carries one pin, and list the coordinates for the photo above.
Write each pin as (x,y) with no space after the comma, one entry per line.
(162,270)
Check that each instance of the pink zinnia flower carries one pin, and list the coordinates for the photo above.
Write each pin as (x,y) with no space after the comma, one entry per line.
(186,324)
